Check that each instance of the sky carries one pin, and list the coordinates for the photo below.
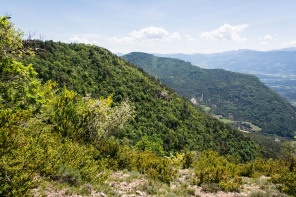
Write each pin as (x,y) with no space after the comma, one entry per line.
(159,26)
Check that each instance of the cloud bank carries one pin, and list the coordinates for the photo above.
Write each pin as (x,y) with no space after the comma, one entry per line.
(86,39)
(292,42)
(226,32)
(266,39)
(149,34)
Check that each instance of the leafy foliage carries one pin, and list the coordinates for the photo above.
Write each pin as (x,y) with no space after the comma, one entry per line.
(187,160)
(86,119)
(10,40)
(213,169)
(282,171)
(149,163)
(214,172)
(272,148)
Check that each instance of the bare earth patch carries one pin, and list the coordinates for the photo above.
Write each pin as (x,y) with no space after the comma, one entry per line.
(123,185)
(126,184)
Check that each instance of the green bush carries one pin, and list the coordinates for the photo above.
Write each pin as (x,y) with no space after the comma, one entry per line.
(187,160)
(282,171)
(211,168)
(149,163)
(286,181)
(285,178)
(71,176)
(261,167)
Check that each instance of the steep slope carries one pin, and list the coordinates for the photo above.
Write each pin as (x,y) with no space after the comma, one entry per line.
(275,68)
(163,120)
(239,97)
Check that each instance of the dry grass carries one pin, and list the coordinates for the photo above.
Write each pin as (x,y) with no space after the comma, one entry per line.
(126,183)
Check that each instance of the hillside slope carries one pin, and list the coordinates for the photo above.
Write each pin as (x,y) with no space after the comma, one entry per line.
(239,97)
(163,120)
(275,68)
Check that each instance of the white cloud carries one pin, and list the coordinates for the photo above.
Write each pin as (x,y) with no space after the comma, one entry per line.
(86,39)
(292,42)
(149,34)
(265,43)
(267,37)
(226,32)
(189,38)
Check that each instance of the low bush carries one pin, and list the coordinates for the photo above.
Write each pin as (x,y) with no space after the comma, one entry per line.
(212,169)
(286,182)
(187,160)
(149,163)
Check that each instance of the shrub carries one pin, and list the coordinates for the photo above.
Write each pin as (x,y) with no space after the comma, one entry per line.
(282,171)
(148,163)
(214,169)
(176,160)
(261,167)
(187,160)
(286,182)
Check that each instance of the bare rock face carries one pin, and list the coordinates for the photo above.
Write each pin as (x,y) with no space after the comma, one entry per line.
(193,100)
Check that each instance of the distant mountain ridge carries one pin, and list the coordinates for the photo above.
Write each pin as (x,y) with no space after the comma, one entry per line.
(285,49)
(236,96)
(276,68)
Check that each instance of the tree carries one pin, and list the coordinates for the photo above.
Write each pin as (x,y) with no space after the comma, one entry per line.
(18,85)
(20,98)
(10,39)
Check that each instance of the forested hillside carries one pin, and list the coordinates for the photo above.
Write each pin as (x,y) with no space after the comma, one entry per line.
(239,97)
(163,121)
(275,68)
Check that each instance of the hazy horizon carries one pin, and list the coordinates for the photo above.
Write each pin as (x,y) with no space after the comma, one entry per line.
(281,49)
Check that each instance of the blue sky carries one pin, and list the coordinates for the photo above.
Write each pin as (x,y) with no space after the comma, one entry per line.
(160,26)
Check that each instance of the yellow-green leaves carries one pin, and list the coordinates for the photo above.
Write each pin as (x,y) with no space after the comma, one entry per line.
(84,119)
(19,87)
(214,169)
(10,40)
